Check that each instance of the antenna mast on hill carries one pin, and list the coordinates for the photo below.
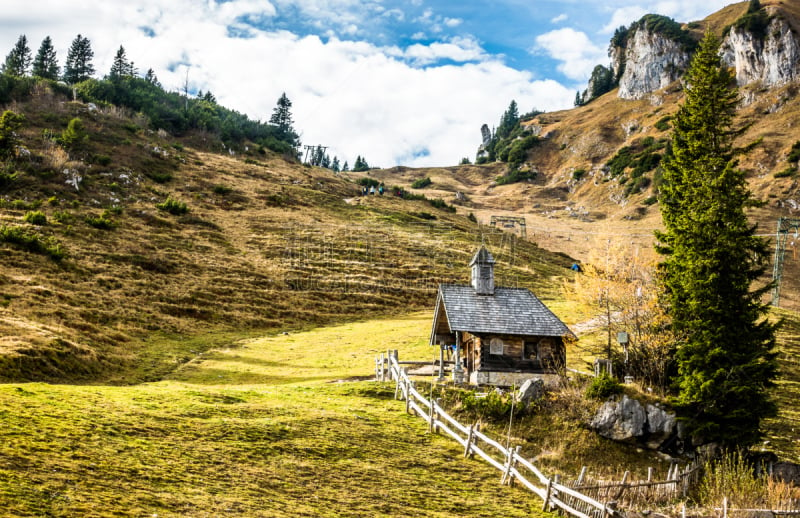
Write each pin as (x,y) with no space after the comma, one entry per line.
(784,225)
(312,149)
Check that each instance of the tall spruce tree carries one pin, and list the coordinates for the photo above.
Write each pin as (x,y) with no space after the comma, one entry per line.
(78,66)
(282,118)
(711,258)
(45,64)
(121,66)
(19,59)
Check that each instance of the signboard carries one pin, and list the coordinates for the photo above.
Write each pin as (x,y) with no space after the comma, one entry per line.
(496,346)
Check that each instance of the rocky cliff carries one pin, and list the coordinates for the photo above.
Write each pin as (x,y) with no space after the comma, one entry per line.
(653,52)
(772,58)
(650,61)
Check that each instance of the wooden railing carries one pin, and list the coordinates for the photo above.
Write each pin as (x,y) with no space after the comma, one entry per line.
(514,467)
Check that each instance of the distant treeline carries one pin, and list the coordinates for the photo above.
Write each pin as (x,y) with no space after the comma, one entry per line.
(174,112)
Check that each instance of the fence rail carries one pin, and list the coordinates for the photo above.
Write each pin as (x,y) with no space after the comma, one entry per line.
(508,461)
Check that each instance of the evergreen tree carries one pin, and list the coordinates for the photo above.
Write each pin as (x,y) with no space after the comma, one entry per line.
(508,121)
(282,118)
(711,258)
(360,164)
(150,77)
(45,64)
(335,167)
(78,66)
(121,67)
(10,123)
(19,59)
(345,167)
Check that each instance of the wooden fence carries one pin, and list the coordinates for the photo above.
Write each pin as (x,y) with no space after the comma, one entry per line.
(640,494)
(513,467)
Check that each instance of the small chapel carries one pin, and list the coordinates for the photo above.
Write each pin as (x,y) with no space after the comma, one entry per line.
(499,336)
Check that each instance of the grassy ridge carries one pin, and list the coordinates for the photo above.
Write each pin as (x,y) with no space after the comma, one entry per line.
(265,427)
(264,244)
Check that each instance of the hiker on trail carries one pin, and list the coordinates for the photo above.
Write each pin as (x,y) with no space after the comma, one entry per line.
(372,190)
(380,190)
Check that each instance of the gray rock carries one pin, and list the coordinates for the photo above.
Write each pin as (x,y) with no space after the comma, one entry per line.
(531,390)
(622,420)
(660,426)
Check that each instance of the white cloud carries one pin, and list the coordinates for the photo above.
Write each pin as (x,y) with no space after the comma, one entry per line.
(560,18)
(356,97)
(625,12)
(453,22)
(577,54)
(460,50)
(623,16)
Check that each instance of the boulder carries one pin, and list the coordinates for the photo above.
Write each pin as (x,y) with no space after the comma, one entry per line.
(660,426)
(531,390)
(627,420)
(622,420)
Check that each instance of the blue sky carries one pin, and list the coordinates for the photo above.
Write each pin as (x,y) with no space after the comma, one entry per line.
(398,82)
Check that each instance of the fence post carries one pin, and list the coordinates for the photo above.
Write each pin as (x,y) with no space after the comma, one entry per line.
(431,416)
(725,507)
(623,485)
(511,466)
(382,374)
(581,477)
(468,447)
(546,503)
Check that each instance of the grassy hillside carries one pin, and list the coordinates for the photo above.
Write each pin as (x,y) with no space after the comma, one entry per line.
(284,426)
(264,244)
(273,427)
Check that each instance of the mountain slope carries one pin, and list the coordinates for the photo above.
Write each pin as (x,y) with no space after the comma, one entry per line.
(266,244)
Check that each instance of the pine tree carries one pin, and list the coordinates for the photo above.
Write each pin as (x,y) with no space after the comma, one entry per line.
(711,258)
(282,115)
(78,66)
(45,64)
(19,59)
(121,67)
(151,77)
(282,118)
(509,120)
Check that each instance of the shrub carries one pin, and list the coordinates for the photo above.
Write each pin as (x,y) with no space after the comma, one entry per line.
(789,171)
(222,190)
(35,218)
(103,221)
(514,176)
(74,137)
(32,242)
(10,122)
(493,406)
(103,160)
(7,178)
(472,218)
(441,204)
(173,206)
(577,174)
(421,183)
(602,387)
(652,200)
(368,182)
(663,123)
(63,217)
(794,154)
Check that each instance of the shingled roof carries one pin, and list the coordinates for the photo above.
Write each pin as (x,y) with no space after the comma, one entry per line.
(512,311)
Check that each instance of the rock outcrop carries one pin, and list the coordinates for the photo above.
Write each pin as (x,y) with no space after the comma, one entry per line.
(627,420)
(773,60)
(651,61)
(653,53)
